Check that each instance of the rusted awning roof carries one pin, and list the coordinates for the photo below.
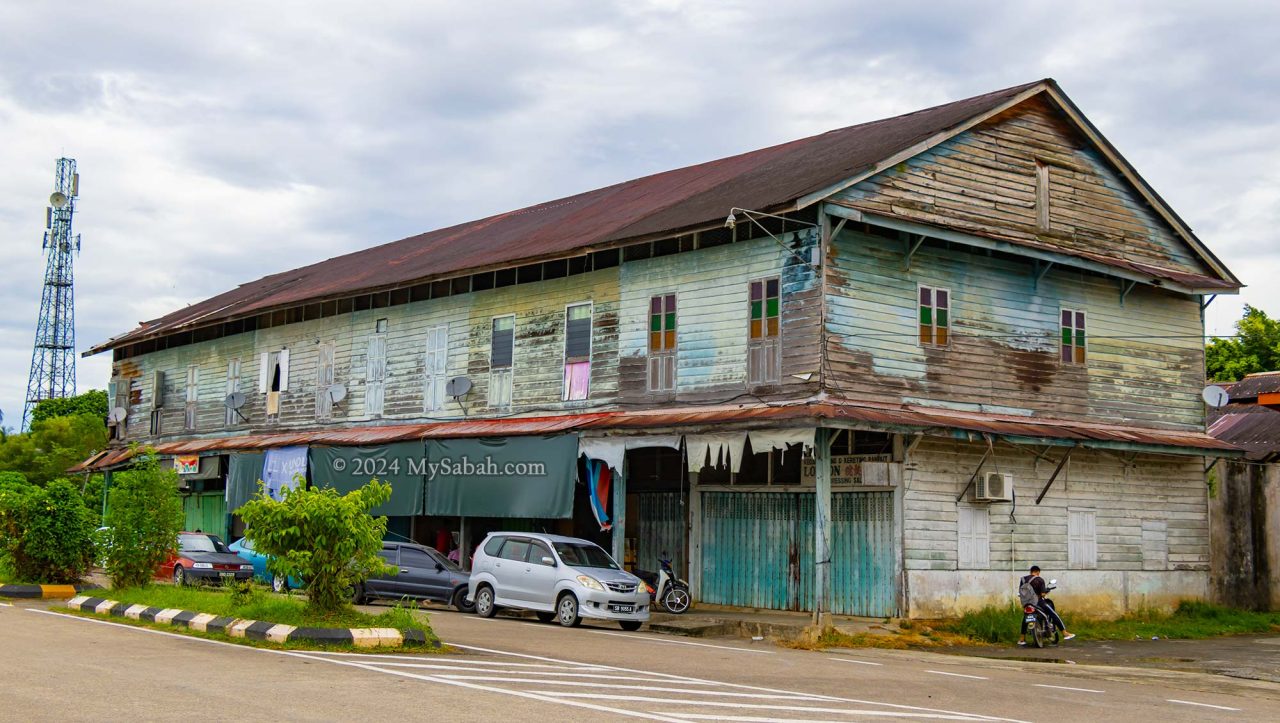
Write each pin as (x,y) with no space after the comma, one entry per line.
(908,417)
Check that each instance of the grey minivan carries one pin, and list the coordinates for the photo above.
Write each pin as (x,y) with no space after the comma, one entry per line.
(559,578)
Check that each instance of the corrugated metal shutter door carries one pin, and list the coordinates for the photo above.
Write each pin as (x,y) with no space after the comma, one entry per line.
(757,550)
(862,554)
(206,512)
(660,527)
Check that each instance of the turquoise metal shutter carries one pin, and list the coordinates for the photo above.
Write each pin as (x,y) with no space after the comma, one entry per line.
(660,527)
(757,550)
(863,562)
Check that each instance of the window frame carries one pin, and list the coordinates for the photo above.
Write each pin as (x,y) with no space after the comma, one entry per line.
(231,417)
(662,354)
(433,384)
(963,562)
(1089,555)
(509,369)
(1078,316)
(191,399)
(933,315)
(766,340)
(564,349)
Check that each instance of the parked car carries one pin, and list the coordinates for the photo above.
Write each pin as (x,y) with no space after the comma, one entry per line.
(422,574)
(244,548)
(559,578)
(202,557)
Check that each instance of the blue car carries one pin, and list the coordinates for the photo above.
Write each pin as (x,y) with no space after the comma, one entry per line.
(244,549)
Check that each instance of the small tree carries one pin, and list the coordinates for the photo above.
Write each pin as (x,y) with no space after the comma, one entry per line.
(1255,348)
(145,514)
(46,533)
(325,538)
(92,403)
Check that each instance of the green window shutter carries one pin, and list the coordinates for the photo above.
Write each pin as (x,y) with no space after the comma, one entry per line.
(926,315)
(942,317)
(757,310)
(773,307)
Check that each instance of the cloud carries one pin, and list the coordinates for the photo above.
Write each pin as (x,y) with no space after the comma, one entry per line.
(220,142)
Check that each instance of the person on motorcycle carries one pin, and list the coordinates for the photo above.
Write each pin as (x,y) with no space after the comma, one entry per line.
(1045,604)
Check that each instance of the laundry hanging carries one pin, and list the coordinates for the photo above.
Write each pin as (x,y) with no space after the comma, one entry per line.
(599,475)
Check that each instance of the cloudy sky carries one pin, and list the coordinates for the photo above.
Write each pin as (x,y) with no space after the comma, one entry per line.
(218,142)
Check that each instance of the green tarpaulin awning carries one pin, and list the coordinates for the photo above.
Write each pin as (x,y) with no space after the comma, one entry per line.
(502,477)
(402,465)
(243,474)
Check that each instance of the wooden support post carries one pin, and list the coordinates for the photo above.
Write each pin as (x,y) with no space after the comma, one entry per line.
(822,528)
(911,249)
(1042,268)
(106,485)
(1125,288)
(464,545)
(1054,476)
(619,491)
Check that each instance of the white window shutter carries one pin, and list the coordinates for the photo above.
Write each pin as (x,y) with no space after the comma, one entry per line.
(263,371)
(284,370)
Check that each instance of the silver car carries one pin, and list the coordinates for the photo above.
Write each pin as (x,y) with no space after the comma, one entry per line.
(559,578)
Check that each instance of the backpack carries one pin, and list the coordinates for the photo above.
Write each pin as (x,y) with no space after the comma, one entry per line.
(1027,594)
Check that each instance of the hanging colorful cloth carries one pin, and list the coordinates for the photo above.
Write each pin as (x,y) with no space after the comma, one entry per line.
(598,477)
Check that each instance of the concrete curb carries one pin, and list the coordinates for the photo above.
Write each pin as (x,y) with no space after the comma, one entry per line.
(45,592)
(253,629)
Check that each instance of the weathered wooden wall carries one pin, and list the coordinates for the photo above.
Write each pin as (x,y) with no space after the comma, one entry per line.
(712,285)
(1145,359)
(1124,491)
(984,181)
(1245,510)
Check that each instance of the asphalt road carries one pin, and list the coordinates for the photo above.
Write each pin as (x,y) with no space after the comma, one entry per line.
(58,667)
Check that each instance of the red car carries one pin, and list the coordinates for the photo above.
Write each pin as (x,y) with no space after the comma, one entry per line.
(203,558)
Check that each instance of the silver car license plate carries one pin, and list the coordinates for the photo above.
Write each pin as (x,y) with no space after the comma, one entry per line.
(622,608)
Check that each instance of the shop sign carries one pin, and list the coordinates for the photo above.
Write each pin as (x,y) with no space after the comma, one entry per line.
(850,469)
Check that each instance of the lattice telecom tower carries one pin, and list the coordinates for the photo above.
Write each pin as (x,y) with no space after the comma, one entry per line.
(53,362)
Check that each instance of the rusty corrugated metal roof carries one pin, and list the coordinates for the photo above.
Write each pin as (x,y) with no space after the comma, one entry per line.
(741,416)
(673,201)
(1253,385)
(1251,427)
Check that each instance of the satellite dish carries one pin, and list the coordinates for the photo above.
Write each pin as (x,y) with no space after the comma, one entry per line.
(1215,396)
(457,387)
(337,392)
(234,400)
(117,415)
(57,199)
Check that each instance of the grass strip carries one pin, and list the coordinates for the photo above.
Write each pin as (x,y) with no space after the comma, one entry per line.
(1191,620)
(268,608)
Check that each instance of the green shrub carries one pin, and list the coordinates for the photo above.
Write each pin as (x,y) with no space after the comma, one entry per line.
(318,535)
(145,517)
(45,532)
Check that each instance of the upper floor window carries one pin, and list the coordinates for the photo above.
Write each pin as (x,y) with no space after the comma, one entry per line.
(324,380)
(577,352)
(935,316)
(375,375)
(157,402)
(764,351)
(662,343)
(501,359)
(1042,195)
(231,414)
(1073,337)
(193,398)
(120,400)
(273,378)
(435,367)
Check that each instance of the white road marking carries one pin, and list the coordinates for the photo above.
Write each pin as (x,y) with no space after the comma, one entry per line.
(843,659)
(1063,687)
(562,698)
(6,605)
(479,666)
(760,706)
(650,688)
(1202,705)
(649,639)
(747,718)
(956,675)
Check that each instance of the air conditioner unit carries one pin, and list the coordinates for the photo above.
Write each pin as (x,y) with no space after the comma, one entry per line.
(995,487)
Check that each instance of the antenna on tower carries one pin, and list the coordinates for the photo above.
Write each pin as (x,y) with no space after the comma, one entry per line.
(53,363)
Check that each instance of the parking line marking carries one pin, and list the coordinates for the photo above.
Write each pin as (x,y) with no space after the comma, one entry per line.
(762,706)
(650,688)
(649,639)
(527,674)
(6,605)
(1202,705)
(843,659)
(484,666)
(1063,687)
(743,718)
(957,675)
(547,697)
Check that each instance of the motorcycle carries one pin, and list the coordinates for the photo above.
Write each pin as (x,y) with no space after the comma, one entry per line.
(1041,628)
(665,588)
